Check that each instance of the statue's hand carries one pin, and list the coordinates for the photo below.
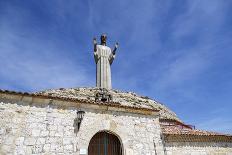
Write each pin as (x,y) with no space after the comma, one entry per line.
(116,45)
(94,41)
(115,48)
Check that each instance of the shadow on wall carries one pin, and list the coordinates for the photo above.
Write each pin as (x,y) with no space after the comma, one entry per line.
(76,125)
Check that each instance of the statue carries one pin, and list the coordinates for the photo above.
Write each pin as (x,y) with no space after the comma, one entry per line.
(104,57)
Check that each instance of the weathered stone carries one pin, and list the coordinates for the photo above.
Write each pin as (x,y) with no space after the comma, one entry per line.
(67,141)
(9,140)
(129,99)
(139,134)
(68,148)
(28,149)
(40,141)
(29,141)
(59,134)
(52,127)
(19,141)
(51,140)
(20,151)
(56,147)
(7,149)
(46,148)
(68,133)
(52,133)
(44,133)
(2,131)
(35,132)
(37,149)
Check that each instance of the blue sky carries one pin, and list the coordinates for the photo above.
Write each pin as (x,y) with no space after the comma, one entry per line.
(177,52)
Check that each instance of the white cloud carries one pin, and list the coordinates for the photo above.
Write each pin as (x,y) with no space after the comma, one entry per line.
(32,63)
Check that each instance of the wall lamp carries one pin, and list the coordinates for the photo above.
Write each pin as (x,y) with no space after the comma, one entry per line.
(80,115)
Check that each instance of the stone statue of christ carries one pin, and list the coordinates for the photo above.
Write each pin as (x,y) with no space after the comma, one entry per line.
(104,57)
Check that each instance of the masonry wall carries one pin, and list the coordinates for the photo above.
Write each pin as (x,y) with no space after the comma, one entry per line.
(198,148)
(34,129)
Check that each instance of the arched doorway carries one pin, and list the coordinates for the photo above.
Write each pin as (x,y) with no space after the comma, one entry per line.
(105,143)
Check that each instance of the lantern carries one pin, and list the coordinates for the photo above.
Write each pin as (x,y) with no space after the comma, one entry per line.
(80,115)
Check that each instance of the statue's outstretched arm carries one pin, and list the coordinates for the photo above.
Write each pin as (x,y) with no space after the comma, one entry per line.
(112,55)
(115,49)
(95,44)
(95,49)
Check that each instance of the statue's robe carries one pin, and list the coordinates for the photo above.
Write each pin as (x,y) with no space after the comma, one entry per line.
(103,58)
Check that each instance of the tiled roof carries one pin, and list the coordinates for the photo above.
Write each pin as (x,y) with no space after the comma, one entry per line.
(179,130)
(181,133)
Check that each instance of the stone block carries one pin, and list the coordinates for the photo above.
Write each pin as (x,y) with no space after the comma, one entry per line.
(6,149)
(2,131)
(52,127)
(67,141)
(69,133)
(46,147)
(56,147)
(28,150)
(33,125)
(53,140)
(19,141)
(9,140)
(35,132)
(129,151)
(37,149)
(67,122)
(68,148)
(19,151)
(59,134)
(44,133)
(57,121)
(40,141)
(29,141)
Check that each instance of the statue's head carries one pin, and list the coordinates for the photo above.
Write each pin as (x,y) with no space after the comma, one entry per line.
(103,39)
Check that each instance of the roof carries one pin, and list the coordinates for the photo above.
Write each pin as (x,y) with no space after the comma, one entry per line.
(128,99)
(8,95)
(176,132)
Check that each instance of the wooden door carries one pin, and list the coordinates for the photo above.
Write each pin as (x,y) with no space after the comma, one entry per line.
(104,143)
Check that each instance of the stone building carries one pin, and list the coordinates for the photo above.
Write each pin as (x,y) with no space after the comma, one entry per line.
(98,121)
(48,122)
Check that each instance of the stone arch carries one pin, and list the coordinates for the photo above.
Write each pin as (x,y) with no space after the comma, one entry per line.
(105,142)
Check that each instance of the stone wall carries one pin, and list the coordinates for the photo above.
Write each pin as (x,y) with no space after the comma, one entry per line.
(44,129)
(198,148)
(30,125)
